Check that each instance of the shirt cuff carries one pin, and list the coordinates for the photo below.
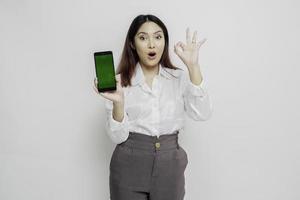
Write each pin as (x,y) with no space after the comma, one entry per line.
(114,123)
(195,90)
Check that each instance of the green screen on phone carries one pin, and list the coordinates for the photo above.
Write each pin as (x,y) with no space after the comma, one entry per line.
(105,71)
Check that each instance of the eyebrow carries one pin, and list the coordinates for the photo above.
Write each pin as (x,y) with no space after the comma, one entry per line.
(147,33)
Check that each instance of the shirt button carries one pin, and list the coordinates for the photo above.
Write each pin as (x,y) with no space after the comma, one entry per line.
(157,144)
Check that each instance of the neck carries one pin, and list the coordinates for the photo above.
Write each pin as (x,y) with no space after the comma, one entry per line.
(150,71)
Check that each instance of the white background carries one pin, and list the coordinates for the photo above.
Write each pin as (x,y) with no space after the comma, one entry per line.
(52,140)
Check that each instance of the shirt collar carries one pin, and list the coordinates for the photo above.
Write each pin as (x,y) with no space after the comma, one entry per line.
(139,77)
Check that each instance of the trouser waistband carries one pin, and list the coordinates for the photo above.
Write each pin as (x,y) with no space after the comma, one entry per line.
(152,143)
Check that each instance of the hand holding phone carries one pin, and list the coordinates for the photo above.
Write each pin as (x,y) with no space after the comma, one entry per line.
(106,82)
(115,96)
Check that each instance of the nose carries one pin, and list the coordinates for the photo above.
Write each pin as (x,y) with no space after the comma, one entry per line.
(151,43)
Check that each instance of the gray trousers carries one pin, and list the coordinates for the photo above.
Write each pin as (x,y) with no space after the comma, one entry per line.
(148,168)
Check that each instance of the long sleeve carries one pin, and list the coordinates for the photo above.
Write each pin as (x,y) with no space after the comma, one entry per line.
(197,103)
(117,131)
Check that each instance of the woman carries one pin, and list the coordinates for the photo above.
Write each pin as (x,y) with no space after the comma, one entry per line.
(146,112)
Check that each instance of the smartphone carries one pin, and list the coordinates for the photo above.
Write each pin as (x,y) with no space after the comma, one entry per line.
(105,71)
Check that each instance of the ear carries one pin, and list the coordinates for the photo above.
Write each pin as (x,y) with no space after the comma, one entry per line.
(132,46)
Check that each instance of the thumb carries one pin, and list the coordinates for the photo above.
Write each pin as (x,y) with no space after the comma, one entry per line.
(177,50)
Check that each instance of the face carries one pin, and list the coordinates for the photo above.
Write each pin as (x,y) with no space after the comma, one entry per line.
(149,44)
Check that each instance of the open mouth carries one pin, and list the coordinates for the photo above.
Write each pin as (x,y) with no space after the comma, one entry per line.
(152,55)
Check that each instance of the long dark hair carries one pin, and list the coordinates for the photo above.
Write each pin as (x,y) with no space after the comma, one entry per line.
(130,57)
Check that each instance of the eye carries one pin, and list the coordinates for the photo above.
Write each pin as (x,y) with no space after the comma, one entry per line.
(142,38)
(159,37)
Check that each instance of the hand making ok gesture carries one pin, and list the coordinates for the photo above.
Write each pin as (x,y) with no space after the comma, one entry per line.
(190,50)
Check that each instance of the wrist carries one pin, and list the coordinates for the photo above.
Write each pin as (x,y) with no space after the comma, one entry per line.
(118,103)
(193,66)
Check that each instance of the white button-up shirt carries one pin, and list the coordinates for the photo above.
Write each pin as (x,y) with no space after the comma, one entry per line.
(159,110)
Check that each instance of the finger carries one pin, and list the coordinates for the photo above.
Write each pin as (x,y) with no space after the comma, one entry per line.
(201,42)
(102,94)
(95,83)
(118,78)
(96,90)
(180,45)
(194,37)
(177,49)
(188,38)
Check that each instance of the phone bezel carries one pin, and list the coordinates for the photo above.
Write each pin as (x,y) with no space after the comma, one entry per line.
(99,53)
